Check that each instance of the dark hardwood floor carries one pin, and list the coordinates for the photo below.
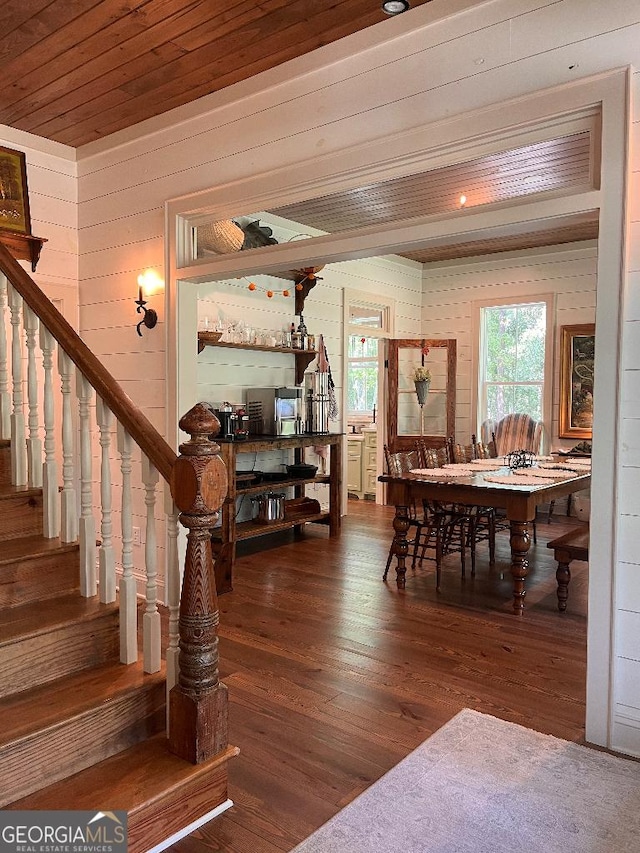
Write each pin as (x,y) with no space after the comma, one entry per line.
(334,676)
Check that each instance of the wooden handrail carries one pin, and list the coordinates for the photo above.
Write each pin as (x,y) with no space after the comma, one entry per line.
(137,425)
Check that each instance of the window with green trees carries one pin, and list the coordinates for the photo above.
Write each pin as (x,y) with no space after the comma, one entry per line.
(362,391)
(512,360)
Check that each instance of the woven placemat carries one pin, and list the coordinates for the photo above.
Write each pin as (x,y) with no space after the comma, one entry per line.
(440,473)
(510,480)
(562,466)
(543,474)
(489,463)
(462,466)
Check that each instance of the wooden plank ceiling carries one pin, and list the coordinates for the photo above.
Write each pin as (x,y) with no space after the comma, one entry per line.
(562,164)
(77,70)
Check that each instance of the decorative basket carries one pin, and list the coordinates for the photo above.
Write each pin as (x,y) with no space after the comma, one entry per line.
(221,237)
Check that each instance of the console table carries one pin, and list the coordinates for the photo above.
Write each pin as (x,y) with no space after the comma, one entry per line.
(225,537)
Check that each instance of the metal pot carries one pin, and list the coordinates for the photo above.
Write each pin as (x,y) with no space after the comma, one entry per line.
(270,508)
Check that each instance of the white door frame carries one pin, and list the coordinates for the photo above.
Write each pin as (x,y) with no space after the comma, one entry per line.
(426,147)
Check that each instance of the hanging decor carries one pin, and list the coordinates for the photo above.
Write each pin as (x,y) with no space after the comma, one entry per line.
(269,291)
(422,383)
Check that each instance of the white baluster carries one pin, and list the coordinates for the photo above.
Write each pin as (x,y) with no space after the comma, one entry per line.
(51,500)
(151,618)
(174,585)
(87,523)
(69,510)
(106,558)
(34,442)
(18,445)
(5,399)
(128,603)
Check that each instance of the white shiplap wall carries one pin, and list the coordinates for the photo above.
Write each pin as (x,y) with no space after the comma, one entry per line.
(53,201)
(626,695)
(416,71)
(451,291)
(224,374)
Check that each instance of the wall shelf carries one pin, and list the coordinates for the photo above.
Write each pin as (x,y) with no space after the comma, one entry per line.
(225,537)
(303,357)
(23,247)
(276,485)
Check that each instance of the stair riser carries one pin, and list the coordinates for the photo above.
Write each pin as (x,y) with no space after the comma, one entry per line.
(38,578)
(80,742)
(177,808)
(5,466)
(69,648)
(20,515)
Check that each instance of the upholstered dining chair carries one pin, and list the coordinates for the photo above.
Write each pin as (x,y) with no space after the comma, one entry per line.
(513,432)
(516,431)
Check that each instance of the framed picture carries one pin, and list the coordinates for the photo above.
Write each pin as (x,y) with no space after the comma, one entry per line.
(14,197)
(577,345)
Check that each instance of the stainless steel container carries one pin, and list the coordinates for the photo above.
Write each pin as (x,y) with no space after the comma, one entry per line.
(268,508)
(317,402)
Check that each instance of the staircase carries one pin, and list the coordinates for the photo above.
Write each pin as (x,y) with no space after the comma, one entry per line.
(81,730)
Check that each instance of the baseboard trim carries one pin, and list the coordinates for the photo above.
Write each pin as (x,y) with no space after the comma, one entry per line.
(196,824)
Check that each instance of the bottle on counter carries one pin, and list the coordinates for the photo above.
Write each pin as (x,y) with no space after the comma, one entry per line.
(302,332)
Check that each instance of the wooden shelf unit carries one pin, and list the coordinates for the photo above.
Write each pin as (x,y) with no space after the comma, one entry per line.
(225,537)
(303,357)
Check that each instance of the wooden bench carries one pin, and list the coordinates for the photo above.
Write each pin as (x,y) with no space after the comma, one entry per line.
(573,545)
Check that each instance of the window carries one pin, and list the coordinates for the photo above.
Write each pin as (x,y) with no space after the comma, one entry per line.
(367,325)
(513,358)
(362,389)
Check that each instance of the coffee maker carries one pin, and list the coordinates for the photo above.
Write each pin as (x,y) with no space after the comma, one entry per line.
(275,411)
(228,419)
(317,402)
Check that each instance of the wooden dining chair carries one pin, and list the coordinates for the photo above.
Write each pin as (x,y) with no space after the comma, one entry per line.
(490,451)
(481,520)
(397,464)
(444,529)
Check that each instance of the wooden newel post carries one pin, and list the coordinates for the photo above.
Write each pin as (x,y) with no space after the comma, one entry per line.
(198,702)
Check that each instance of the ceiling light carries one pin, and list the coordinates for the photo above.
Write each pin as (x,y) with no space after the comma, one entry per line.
(394,7)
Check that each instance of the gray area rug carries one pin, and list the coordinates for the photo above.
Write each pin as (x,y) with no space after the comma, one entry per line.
(481,785)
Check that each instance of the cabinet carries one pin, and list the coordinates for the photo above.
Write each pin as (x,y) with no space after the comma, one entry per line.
(354,465)
(362,463)
(370,462)
(303,357)
(297,512)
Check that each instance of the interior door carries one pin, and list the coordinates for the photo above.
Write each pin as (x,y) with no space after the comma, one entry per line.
(406,420)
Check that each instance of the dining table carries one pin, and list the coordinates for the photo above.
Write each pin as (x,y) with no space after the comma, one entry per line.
(518,494)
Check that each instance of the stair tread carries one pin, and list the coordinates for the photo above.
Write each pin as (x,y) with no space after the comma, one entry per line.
(55,702)
(127,781)
(27,621)
(33,546)
(8,491)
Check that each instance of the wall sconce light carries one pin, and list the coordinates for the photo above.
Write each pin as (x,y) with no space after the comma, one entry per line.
(148,282)
(395,7)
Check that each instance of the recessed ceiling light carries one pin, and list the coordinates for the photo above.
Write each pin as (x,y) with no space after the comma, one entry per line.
(394,7)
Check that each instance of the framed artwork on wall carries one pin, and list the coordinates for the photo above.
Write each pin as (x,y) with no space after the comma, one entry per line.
(577,345)
(14,196)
